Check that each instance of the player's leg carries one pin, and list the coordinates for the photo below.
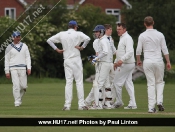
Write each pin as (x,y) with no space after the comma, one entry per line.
(159,74)
(78,75)
(149,72)
(89,98)
(121,73)
(130,87)
(107,97)
(111,79)
(69,83)
(23,82)
(16,87)
(103,71)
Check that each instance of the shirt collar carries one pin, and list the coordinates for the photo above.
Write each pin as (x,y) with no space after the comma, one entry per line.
(71,29)
(150,29)
(18,43)
(124,34)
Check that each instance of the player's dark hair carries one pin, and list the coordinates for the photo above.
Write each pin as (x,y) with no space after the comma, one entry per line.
(107,26)
(72,26)
(149,21)
(121,24)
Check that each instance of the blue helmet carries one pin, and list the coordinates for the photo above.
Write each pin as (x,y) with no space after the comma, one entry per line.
(99,28)
(16,33)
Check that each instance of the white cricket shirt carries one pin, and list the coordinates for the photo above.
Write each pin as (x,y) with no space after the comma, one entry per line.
(125,51)
(95,45)
(106,46)
(152,42)
(69,39)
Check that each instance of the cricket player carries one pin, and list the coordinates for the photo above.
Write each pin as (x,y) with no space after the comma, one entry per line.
(89,101)
(124,64)
(71,40)
(104,61)
(110,93)
(152,42)
(90,98)
(17,60)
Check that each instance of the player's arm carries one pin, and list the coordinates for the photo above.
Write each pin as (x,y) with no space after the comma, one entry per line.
(85,39)
(101,54)
(139,63)
(139,51)
(129,51)
(168,64)
(28,61)
(165,52)
(7,63)
(113,47)
(52,40)
(115,61)
(104,51)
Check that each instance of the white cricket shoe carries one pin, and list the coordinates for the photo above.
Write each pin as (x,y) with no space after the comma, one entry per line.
(83,108)
(65,108)
(107,105)
(116,106)
(152,110)
(95,108)
(130,107)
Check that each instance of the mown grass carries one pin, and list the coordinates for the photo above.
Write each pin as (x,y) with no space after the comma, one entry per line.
(47,100)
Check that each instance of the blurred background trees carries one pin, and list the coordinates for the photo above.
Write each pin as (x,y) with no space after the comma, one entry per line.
(47,63)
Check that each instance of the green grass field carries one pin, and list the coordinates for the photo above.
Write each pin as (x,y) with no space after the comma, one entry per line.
(47,100)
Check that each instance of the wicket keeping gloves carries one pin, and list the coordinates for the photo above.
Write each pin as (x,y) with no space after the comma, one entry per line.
(91,57)
(94,60)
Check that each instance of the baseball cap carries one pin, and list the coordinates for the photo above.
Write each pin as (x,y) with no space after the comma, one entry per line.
(74,23)
(16,33)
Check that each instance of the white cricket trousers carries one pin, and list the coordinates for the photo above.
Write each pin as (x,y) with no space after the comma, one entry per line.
(74,70)
(19,80)
(155,85)
(101,79)
(108,94)
(123,76)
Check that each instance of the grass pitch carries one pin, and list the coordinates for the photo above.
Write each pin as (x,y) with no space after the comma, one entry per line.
(47,100)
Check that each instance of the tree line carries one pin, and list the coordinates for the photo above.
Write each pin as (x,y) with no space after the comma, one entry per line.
(37,29)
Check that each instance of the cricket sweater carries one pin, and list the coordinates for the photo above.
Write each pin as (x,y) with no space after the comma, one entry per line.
(17,56)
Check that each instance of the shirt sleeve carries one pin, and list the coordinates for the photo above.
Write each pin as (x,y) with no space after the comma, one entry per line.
(113,47)
(95,45)
(51,44)
(7,60)
(84,38)
(55,38)
(164,46)
(28,58)
(139,46)
(104,47)
(129,49)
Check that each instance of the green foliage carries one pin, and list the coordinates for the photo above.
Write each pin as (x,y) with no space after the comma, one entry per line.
(88,70)
(7,26)
(35,31)
(160,10)
(48,63)
(45,61)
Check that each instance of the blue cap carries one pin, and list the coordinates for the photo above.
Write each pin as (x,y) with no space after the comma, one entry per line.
(16,33)
(74,23)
